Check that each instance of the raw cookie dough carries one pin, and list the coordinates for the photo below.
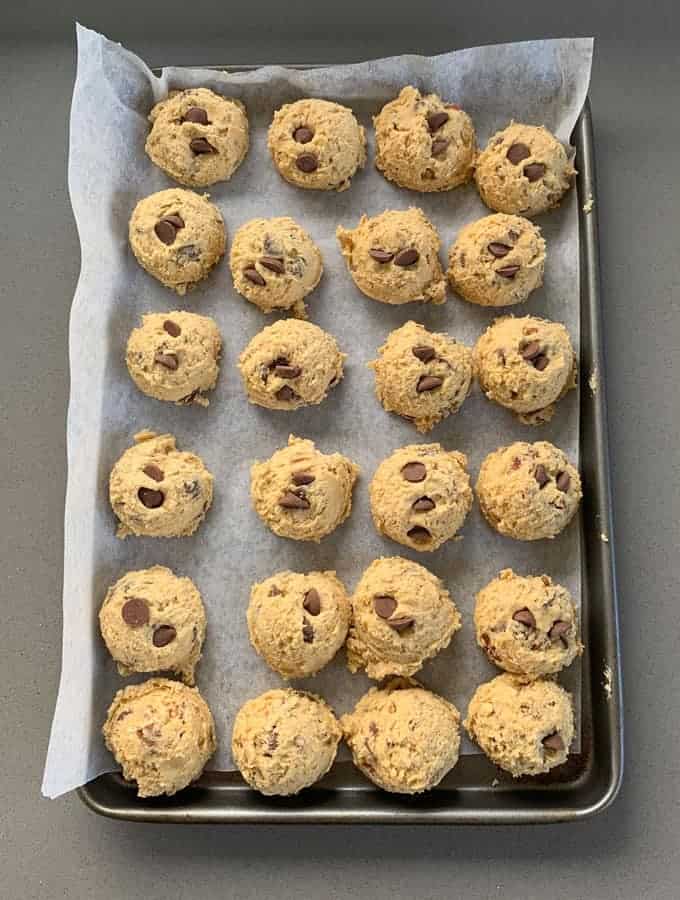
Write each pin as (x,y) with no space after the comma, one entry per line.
(317,144)
(497,261)
(403,738)
(157,490)
(523,170)
(154,621)
(393,257)
(423,143)
(527,625)
(178,237)
(275,264)
(174,356)
(297,623)
(284,741)
(290,364)
(526,729)
(528,491)
(302,493)
(421,376)
(198,137)
(526,365)
(421,495)
(161,733)
(402,615)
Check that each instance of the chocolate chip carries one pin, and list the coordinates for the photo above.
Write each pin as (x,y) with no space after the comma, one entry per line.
(197,115)
(541,476)
(286,394)
(534,171)
(381,256)
(423,353)
(508,271)
(558,630)
(166,229)
(517,153)
(541,362)
(285,371)
(553,742)
(272,741)
(254,276)
(414,472)
(303,135)
(516,462)
(423,504)
(175,220)
(525,617)
(384,605)
(135,612)
(200,146)
(419,535)
(300,478)
(401,624)
(163,635)
(307,633)
(312,602)
(169,360)
(439,146)
(153,472)
(150,498)
(307,162)
(563,481)
(428,383)
(407,257)
(499,250)
(293,501)
(192,488)
(513,235)
(273,264)
(531,350)
(172,328)
(436,120)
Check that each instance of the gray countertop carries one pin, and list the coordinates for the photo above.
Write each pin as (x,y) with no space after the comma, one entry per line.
(58,849)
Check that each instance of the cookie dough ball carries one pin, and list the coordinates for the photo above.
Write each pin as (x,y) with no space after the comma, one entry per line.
(421,495)
(284,741)
(526,729)
(154,621)
(161,734)
(421,376)
(157,490)
(197,137)
(403,738)
(175,356)
(178,237)
(394,258)
(302,493)
(424,144)
(528,491)
(290,364)
(275,264)
(297,623)
(526,365)
(523,170)
(317,144)
(402,615)
(497,261)
(527,625)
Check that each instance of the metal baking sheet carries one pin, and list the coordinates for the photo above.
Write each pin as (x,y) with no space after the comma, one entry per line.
(475,792)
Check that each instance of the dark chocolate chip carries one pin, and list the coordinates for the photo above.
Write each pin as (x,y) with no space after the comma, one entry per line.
(541,476)
(300,478)
(423,353)
(286,394)
(197,115)
(163,635)
(285,371)
(166,229)
(508,271)
(563,481)
(419,535)
(200,146)
(423,504)
(401,623)
(525,617)
(499,250)
(414,471)
(439,146)
(150,498)
(535,171)
(428,383)
(384,605)
(558,630)
(381,256)
(153,472)
(273,264)
(407,257)
(303,134)
(307,632)
(172,328)
(541,362)
(169,360)
(175,220)
(254,276)
(192,488)
(135,612)
(436,120)
(553,742)
(307,162)
(293,501)
(312,602)
(517,153)
(531,350)
(513,235)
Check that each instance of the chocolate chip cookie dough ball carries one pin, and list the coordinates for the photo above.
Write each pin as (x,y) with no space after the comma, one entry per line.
(275,264)
(290,364)
(402,615)
(525,365)
(393,257)
(317,144)
(423,143)
(523,170)
(302,493)
(284,741)
(527,625)
(421,376)
(528,491)
(157,490)
(497,261)
(161,734)
(421,495)
(403,738)
(178,237)
(175,356)
(526,729)
(198,137)
(297,623)
(154,621)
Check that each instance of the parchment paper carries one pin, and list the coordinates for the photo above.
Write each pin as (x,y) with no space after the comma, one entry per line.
(539,82)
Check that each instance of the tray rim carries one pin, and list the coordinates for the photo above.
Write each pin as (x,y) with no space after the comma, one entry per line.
(108,796)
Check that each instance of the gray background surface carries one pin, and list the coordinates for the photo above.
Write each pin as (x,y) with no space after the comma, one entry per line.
(58,849)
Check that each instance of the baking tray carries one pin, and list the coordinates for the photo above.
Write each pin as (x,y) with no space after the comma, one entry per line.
(475,792)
